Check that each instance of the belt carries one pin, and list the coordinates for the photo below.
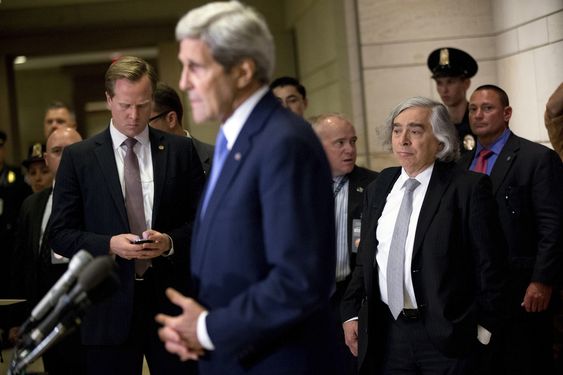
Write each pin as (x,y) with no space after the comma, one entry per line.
(410,314)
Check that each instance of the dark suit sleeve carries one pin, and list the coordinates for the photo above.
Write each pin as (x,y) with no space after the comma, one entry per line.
(547,200)
(355,292)
(67,218)
(489,251)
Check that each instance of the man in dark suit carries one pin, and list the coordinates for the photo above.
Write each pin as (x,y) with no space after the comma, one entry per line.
(35,267)
(261,268)
(338,137)
(166,115)
(127,183)
(429,267)
(527,180)
(291,94)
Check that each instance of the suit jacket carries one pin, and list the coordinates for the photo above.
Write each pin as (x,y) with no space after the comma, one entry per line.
(527,179)
(358,180)
(259,254)
(30,273)
(456,265)
(205,153)
(88,209)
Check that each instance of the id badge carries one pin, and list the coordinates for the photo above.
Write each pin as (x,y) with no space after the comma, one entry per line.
(356,230)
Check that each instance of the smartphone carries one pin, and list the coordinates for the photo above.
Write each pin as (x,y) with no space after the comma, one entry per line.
(142,241)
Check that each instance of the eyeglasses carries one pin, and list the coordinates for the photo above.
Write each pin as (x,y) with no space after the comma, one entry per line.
(158,116)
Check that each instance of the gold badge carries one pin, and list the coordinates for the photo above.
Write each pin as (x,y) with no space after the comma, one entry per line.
(468,142)
(36,151)
(444,57)
(11,177)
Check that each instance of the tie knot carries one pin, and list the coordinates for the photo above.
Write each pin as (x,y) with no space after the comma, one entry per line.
(485,153)
(411,184)
(130,143)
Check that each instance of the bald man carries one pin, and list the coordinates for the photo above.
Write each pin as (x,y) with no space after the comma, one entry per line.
(35,266)
(338,137)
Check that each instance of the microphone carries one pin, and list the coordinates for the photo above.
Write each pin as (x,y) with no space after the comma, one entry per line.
(93,275)
(98,281)
(76,265)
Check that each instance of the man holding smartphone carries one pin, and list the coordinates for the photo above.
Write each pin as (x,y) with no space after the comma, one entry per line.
(129,183)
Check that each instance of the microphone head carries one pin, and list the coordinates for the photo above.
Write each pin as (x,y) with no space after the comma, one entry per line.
(79,260)
(98,270)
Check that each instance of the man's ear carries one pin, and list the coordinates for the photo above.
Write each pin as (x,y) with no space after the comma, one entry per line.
(245,72)
(172,119)
(108,101)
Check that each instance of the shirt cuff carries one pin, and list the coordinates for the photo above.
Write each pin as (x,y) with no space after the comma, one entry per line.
(201,332)
(351,319)
(483,335)
(171,251)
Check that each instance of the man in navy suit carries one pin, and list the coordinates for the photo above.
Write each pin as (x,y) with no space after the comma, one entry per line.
(99,207)
(263,255)
(527,179)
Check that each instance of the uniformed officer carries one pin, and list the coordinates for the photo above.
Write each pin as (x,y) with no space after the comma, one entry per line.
(452,70)
(13,191)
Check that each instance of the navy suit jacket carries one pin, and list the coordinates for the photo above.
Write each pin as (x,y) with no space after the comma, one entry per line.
(457,263)
(263,255)
(88,209)
(527,184)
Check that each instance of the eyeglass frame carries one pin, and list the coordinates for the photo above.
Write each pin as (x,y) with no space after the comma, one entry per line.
(161,114)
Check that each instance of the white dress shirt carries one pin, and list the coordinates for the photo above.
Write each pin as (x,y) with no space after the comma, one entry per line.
(386,226)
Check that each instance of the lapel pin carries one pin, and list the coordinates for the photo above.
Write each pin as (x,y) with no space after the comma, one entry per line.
(508,157)
(360,189)
(161,147)
(237,156)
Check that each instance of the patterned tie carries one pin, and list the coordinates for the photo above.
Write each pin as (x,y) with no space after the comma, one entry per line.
(134,199)
(219,157)
(396,261)
(482,160)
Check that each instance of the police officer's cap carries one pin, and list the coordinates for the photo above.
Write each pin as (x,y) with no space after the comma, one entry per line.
(34,154)
(451,62)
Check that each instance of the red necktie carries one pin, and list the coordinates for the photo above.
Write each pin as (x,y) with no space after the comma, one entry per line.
(482,159)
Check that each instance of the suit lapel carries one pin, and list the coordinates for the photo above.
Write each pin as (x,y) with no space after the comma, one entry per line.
(108,168)
(504,161)
(235,159)
(159,151)
(439,181)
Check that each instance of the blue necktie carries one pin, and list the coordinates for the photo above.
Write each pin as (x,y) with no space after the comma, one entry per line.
(219,157)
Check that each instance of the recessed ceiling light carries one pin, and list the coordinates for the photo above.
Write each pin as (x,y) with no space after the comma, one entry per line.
(20,60)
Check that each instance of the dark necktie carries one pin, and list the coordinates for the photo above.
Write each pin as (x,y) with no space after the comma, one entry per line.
(396,260)
(482,161)
(134,199)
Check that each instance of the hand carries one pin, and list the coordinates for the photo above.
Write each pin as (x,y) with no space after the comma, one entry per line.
(123,246)
(179,333)
(537,297)
(351,335)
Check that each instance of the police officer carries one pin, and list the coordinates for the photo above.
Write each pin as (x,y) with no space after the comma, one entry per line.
(452,70)
(13,191)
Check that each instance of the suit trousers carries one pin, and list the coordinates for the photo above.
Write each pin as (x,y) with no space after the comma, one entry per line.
(127,358)
(408,350)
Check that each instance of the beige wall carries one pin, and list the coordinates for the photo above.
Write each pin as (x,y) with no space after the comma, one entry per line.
(517,43)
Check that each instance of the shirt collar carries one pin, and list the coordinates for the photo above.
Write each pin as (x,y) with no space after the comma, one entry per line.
(234,124)
(423,177)
(497,145)
(118,138)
